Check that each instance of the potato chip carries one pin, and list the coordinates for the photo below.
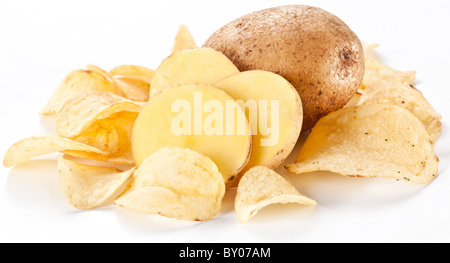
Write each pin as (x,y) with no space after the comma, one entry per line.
(183,40)
(80,113)
(134,89)
(385,85)
(370,141)
(369,51)
(178,183)
(375,71)
(133,72)
(76,84)
(104,73)
(260,187)
(88,187)
(32,147)
(406,96)
(115,133)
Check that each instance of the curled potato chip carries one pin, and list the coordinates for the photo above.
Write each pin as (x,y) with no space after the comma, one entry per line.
(178,183)
(385,85)
(406,96)
(88,187)
(112,134)
(134,89)
(370,141)
(369,50)
(80,113)
(133,72)
(376,71)
(32,147)
(183,40)
(260,187)
(76,84)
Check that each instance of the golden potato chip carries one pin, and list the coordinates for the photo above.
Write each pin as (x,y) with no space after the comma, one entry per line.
(88,187)
(406,96)
(370,141)
(104,73)
(178,183)
(80,113)
(376,71)
(76,84)
(385,85)
(260,187)
(133,72)
(369,51)
(354,100)
(32,147)
(183,40)
(134,89)
(115,133)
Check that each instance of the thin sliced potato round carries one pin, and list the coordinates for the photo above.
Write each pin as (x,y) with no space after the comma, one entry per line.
(29,148)
(274,110)
(178,183)
(88,187)
(260,187)
(370,141)
(174,117)
(199,65)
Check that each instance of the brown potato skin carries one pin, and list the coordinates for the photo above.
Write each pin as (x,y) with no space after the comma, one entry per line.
(313,49)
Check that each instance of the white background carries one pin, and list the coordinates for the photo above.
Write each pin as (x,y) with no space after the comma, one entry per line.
(41,41)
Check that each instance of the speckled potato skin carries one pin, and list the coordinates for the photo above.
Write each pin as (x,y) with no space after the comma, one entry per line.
(313,49)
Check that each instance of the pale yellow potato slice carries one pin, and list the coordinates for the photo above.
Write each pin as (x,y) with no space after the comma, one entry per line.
(274,110)
(178,183)
(178,116)
(88,187)
(199,65)
(260,187)
(370,141)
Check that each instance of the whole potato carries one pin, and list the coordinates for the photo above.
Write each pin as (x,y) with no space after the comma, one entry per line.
(313,49)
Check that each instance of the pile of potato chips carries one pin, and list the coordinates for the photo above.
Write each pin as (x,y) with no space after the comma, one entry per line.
(387,130)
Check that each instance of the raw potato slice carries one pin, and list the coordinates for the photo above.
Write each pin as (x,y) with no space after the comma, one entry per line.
(275,129)
(29,148)
(76,84)
(178,183)
(178,117)
(183,40)
(260,187)
(88,187)
(200,65)
(370,141)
